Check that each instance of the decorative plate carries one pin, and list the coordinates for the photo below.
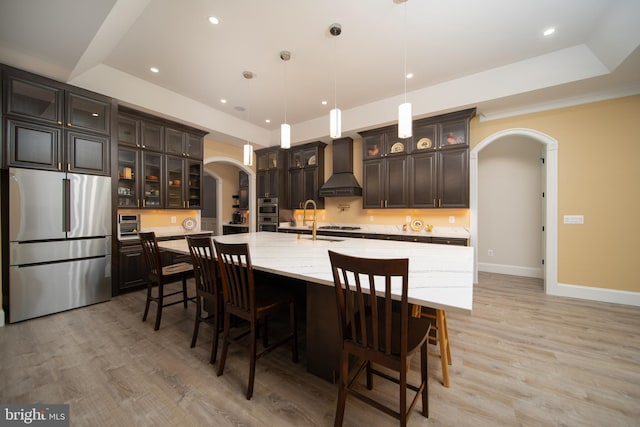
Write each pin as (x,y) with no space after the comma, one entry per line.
(189,224)
(424,143)
(417,225)
(398,147)
(311,161)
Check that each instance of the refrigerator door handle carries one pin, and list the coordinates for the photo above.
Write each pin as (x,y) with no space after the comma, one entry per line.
(66,204)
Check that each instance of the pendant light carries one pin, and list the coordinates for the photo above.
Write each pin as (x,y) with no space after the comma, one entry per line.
(248,148)
(335,115)
(285,129)
(405,115)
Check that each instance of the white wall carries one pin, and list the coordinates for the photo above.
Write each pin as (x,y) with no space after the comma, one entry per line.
(510,207)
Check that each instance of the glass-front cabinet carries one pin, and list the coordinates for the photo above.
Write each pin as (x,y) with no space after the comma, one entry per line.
(183,179)
(153,191)
(53,126)
(127,175)
(168,159)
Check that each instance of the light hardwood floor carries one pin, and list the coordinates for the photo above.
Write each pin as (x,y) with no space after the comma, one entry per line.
(520,359)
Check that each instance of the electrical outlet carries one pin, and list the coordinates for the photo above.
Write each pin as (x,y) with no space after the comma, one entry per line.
(371,218)
(490,252)
(407,218)
(452,219)
(173,220)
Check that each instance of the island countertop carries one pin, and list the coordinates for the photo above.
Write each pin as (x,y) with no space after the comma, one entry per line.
(440,276)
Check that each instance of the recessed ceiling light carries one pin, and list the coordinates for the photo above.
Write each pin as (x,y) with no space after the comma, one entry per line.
(154,70)
(268,121)
(549,31)
(409,75)
(223,101)
(214,20)
(324,102)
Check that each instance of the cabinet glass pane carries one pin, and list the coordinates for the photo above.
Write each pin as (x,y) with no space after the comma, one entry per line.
(87,153)
(195,190)
(273,160)
(127,131)
(33,100)
(174,183)
(174,141)
(194,147)
(152,136)
(152,169)
(127,195)
(88,113)
(454,133)
(373,146)
(424,137)
(33,146)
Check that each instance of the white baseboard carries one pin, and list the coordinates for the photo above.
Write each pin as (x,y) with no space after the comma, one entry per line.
(512,270)
(597,294)
(566,290)
(1,318)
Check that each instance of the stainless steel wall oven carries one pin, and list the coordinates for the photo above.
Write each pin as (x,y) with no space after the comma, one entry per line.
(268,214)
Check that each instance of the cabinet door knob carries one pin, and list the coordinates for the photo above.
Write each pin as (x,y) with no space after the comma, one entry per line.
(59,122)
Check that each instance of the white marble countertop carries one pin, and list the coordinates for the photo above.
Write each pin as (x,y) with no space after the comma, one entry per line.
(440,276)
(451,232)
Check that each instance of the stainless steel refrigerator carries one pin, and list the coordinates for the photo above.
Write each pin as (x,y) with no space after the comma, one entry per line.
(59,242)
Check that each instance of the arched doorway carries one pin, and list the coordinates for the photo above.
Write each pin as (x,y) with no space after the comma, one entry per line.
(252,187)
(551,195)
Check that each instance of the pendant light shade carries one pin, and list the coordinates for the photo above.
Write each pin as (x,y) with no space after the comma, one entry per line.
(248,155)
(285,129)
(335,123)
(404,120)
(285,136)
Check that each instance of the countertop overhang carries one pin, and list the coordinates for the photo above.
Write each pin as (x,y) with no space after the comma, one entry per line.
(440,276)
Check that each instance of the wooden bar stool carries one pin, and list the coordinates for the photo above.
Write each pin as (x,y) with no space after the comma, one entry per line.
(159,275)
(376,334)
(439,336)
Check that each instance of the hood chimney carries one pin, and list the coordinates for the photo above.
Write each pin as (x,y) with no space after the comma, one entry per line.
(342,183)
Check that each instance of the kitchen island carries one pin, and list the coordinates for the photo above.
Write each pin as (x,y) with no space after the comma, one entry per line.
(440,276)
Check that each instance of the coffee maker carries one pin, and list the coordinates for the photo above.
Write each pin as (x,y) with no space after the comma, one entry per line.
(236,217)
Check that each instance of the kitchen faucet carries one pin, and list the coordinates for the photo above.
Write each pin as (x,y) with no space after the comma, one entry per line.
(314,225)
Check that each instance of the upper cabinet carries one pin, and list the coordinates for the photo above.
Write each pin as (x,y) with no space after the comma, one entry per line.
(385,177)
(271,177)
(306,174)
(181,143)
(55,126)
(169,158)
(429,170)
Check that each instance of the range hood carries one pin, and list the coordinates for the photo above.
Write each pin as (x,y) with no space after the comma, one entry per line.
(342,183)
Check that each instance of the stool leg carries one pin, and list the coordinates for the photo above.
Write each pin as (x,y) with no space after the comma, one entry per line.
(443,343)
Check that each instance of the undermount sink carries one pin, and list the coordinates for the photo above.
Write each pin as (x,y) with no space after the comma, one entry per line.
(325,239)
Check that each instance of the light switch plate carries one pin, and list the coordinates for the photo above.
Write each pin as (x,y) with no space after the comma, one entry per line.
(452,219)
(574,219)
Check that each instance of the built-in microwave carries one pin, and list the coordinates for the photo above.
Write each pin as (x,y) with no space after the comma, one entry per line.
(128,225)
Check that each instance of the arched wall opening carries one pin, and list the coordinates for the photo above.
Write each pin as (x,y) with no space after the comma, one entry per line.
(252,187)
(550,243)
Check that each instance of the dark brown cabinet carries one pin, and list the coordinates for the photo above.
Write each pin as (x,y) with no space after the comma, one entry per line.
(271,177)
(306,174)
(385,171)
(132,266)
(429,170)
(439,163)
(54,126)
(183,179)
(149,176)
(182,144)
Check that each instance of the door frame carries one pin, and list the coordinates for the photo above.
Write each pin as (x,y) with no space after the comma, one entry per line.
(551,195)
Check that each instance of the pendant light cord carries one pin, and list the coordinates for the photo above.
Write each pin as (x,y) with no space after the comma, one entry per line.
(335,72)
(404,36)
(284,84)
